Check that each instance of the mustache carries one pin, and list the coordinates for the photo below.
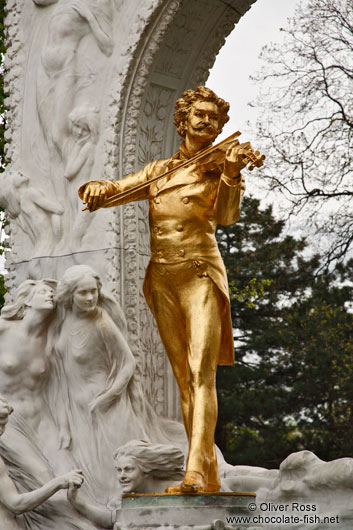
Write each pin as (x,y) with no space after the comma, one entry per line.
(203,126)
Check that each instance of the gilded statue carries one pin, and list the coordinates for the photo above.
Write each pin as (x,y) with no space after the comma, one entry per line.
(186,283)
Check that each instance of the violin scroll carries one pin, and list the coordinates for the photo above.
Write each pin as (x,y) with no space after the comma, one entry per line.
(255,158)
(216,155)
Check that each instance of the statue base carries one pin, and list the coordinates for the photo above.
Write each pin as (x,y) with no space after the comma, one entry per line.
(165,511)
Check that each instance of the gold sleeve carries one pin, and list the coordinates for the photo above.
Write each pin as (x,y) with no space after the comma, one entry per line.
(228,201)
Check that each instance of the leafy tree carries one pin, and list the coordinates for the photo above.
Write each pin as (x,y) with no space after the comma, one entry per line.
(292,383)
(306,124)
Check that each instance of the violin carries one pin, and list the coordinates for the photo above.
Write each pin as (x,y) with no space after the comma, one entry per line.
(208,159)
(215,158)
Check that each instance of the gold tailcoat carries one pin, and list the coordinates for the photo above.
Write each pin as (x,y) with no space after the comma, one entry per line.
(184,210)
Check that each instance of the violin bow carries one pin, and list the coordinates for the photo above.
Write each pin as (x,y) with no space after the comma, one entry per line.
(114,200)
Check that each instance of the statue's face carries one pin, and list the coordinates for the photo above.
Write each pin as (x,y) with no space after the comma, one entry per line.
(202,124)
(5,411)
(20,179)
(43,297)
(130,476)
(85,296)
(80,130)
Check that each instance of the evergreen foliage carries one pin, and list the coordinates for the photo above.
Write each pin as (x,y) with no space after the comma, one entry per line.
(291,386)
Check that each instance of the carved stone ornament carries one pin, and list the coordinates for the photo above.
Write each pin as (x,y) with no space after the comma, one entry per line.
(84,382)
(90,91)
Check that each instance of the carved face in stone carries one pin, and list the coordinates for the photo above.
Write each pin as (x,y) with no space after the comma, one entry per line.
(85,295)
(5,411)
(20,179)
(130,475)
(42,298)
(202,124)
(80,130)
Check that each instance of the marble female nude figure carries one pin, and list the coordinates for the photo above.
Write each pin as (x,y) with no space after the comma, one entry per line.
(11,502)
(35,445)
(69,23)
(24,377)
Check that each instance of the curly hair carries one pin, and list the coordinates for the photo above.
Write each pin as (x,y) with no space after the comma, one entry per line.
(201,93)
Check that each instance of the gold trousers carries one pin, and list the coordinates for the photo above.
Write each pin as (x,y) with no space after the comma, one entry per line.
(188,308)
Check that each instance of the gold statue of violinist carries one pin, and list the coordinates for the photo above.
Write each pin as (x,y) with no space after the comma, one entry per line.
(185,283)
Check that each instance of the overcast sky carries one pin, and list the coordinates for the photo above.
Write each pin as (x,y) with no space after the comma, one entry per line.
(238,58)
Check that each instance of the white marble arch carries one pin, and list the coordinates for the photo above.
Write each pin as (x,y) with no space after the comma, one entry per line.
(159,49)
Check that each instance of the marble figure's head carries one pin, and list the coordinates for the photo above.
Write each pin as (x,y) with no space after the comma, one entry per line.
(139,460)
(5,411)
(84,123)
(194,103)
(35,294)
(19,179)
(79,288)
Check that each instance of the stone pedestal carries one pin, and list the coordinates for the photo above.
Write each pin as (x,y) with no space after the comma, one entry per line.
(168,511)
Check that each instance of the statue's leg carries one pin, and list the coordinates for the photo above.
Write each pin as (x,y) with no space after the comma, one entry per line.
(188,312)
(202,305)
(171,325)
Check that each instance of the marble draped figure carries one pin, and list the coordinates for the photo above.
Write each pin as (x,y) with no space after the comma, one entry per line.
(66,367)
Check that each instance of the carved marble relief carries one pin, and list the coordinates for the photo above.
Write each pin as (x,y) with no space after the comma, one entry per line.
(68,372)
(92,97)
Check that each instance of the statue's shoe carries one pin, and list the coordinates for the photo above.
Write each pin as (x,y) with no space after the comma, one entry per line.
(213,488)
(173,489)
(194,482)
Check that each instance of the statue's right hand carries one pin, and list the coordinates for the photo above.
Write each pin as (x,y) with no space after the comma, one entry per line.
(94,195)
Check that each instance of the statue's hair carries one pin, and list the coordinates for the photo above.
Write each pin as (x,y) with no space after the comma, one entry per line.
(66,288)
(69,281)
(16,310)
(157,460)
(201,93)
(88,115)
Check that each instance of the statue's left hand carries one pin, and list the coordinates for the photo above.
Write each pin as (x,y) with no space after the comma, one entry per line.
(235,161)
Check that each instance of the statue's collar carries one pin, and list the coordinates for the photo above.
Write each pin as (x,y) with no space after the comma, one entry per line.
(183,153)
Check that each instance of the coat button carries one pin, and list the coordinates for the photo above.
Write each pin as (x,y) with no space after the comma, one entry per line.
(157,200)
(185,200)
(181,252)
(160,253)
(179,228)
(155,229)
